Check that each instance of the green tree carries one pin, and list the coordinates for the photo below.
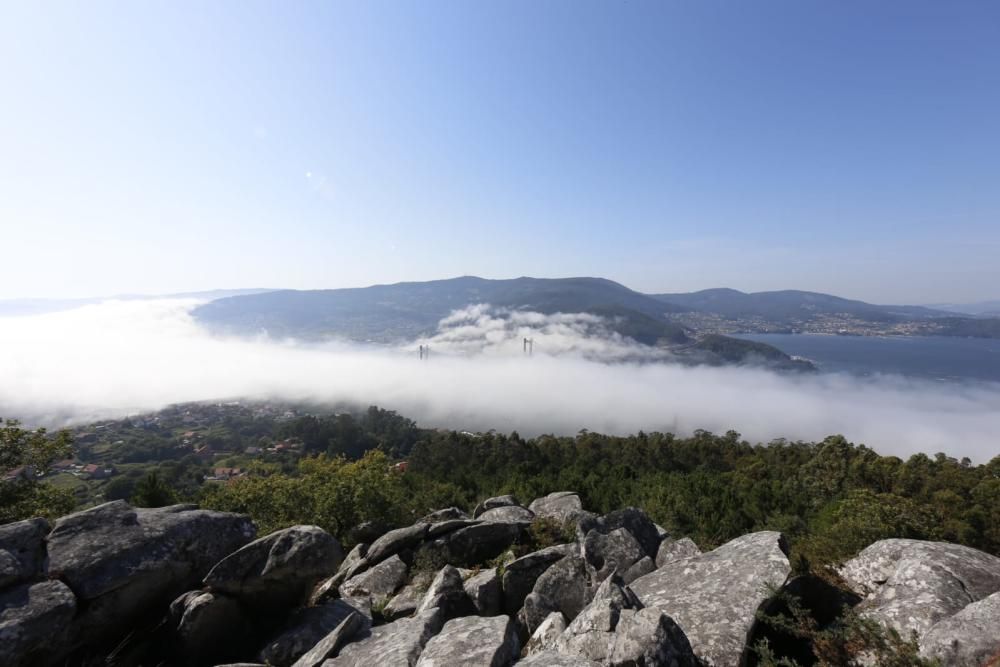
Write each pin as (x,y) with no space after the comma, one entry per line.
(31,453)
(152,491)
(849,525)
(34,449)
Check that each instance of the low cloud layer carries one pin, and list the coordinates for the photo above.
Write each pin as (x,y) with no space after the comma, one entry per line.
(500,332)
(122,357)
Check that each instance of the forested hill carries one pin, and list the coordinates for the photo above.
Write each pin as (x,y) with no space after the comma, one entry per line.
(782,306)
(770,547)
(404,311)
(831,498)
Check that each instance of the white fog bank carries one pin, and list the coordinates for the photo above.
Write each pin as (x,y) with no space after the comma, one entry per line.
(122,357)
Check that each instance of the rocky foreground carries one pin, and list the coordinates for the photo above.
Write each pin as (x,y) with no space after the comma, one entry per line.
(184,586)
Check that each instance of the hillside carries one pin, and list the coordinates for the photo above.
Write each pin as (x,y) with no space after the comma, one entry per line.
(726,350)
(981,327)
(389,544)
(405,311)
(790,305)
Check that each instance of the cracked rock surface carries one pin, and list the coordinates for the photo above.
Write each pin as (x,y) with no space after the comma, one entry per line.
(911,585)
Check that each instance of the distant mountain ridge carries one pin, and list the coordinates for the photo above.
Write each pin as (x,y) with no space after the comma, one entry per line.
(786,304)
(405,311)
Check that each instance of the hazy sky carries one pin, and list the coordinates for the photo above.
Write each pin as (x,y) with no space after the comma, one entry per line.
(848,147)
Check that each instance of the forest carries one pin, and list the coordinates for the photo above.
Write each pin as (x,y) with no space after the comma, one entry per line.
(830,498)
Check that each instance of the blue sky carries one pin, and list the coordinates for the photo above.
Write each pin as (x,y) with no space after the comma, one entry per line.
(847,147)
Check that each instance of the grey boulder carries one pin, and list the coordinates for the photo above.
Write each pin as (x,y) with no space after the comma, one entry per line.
(353,563)
(113,546)
(553,658)
(649,638)
(123,562)
(332,642)
(533,613)
(546,634)
(561,506)
(520,575)
(473,545)
(308,626)
(671,550)
(508,515)
(910,585)
(565,586)
(397,643)
(447,594)
(632,519)
(279,569)
(493,503)
(391,543)
(714,597)
(606,553)
(33,620)
(442,527)
(380,582)
(484,591)
(641,568)
(472,641)
(408,599)
(970,637)
(591,634)
(207,624)
(22,550)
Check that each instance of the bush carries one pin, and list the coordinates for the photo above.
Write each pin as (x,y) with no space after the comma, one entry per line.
(849,641)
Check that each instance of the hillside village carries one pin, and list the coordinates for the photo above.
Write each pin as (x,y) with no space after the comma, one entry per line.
(218,441)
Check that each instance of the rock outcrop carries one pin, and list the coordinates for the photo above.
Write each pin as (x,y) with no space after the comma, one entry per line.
(307,626)
(33,617)
(714,597)
(280,568)
(565,587)
(946,594)
(671,550)
(206,624)
(484,591)
(494,503)
(22,551)
(472,641)
(121,562)
(473,545)
(508,515)
(520,575)
(96,572)
(546,634)
(408,599)
(614,551)
(970,637)
(447,594)
(561,506)
(396,643)
(379,582)
(331,643)
(910,584)
(192,587)
(633,520)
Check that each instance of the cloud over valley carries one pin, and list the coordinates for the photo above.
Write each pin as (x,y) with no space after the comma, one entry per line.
(121,357)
